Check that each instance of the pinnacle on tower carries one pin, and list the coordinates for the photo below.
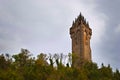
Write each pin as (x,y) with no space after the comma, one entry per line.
(87,24)
(80,16)
(73,23)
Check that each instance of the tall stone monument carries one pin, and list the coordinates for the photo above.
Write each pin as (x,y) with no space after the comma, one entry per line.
(80,34)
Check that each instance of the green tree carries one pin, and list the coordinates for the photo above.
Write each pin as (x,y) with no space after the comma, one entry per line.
(116,75)
(106,73)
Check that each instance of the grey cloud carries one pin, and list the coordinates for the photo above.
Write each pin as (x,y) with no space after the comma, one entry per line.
(43,26)
(27,24)
(110,47)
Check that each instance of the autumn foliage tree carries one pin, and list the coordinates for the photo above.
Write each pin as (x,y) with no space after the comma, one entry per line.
(23,66)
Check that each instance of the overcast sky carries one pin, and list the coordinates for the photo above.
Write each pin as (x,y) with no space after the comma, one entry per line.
(43,26)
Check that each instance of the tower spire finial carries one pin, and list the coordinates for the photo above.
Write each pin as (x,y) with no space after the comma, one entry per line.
(80,16)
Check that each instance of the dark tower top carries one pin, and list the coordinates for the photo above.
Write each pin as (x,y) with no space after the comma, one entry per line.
(80,34)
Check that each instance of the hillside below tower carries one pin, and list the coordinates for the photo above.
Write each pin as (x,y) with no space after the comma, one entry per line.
(80,34)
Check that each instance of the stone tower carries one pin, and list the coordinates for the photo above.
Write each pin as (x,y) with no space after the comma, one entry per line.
(80,34)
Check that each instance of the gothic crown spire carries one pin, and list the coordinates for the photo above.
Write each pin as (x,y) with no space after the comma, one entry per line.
(80,20)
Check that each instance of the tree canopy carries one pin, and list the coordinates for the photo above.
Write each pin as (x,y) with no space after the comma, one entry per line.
(23,66)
